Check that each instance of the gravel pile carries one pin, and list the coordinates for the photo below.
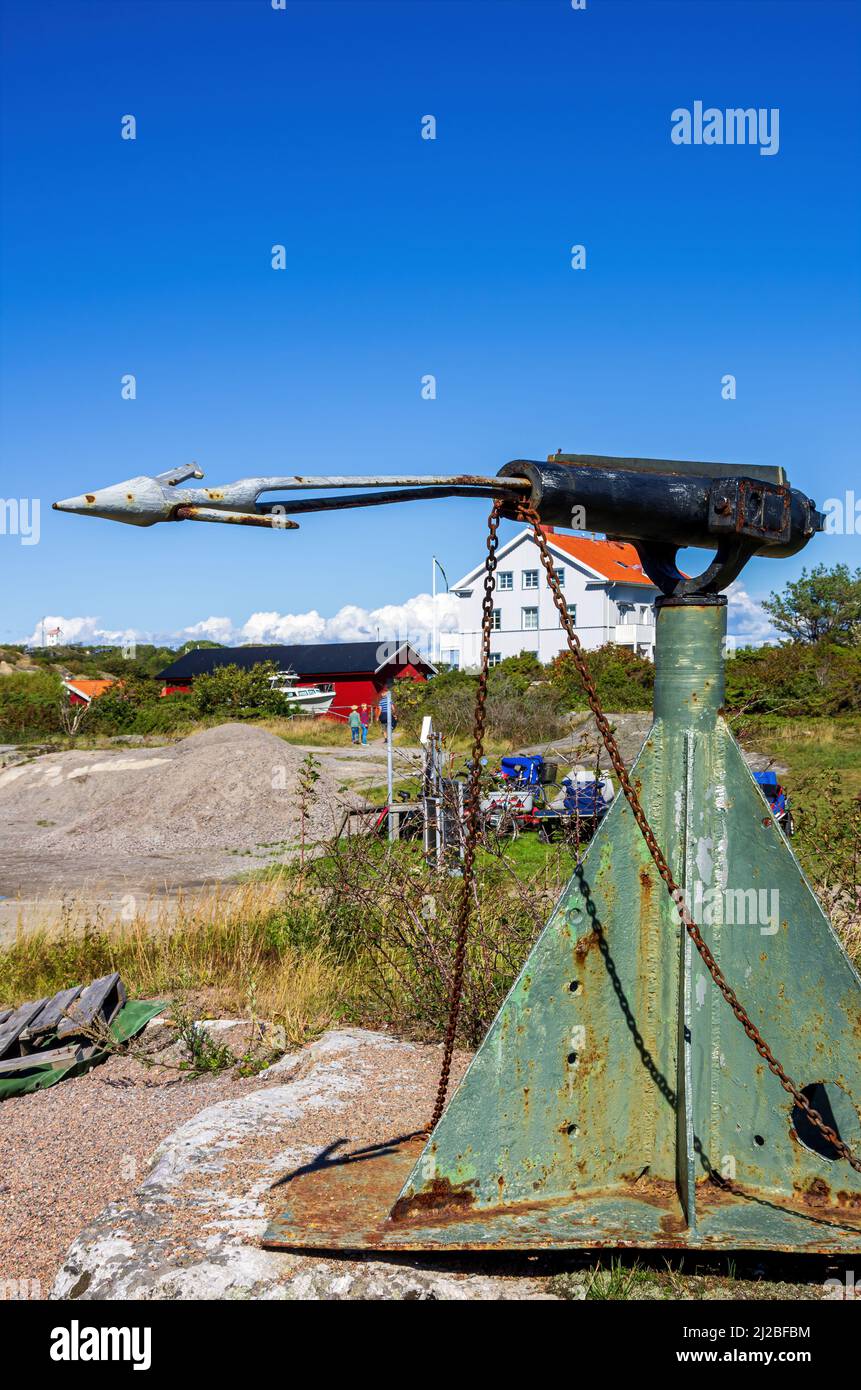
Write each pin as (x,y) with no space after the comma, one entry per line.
(233,787)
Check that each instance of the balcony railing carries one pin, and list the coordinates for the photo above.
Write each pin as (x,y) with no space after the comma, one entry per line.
(634,634)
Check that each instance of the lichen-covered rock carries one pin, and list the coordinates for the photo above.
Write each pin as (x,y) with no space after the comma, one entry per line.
(193,1228)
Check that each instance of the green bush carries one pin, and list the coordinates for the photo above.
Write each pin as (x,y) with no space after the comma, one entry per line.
(623,679)
(522,706)
(30,706)
(237,693)
(795,679)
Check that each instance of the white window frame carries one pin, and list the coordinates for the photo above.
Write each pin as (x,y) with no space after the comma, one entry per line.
(496,620)
(523,624)
(494,658)
(526,578)
(505,580)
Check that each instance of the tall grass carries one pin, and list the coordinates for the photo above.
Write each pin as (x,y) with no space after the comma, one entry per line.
(222,946)
(319,733)
(364,934)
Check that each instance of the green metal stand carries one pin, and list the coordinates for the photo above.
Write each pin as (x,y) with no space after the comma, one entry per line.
(615,1089)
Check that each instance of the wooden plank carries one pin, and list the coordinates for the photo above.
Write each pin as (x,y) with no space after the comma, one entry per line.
(7,1013)
(49,1017)
(99,1002)
(18,1020)
(55,1057)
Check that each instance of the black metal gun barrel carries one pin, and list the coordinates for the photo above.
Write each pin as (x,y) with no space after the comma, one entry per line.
(638,502)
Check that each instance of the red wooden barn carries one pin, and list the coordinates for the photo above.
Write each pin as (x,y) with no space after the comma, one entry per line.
(359,672)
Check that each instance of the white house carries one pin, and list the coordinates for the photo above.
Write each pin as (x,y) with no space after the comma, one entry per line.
(608,595)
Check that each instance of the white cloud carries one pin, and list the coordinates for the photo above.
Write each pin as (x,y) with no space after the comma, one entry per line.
(283,627)
(748,623)
(215,629)
(86,631)
(351,623)
(747,619)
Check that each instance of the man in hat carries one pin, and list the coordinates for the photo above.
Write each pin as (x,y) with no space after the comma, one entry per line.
(355,723)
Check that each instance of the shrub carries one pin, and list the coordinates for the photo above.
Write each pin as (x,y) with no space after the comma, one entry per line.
(795,679)
(234,692)
(520,710)
(623,679)
(399,917)
(30,706)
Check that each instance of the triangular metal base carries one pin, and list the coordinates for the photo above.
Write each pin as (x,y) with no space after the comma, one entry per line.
(615,1089)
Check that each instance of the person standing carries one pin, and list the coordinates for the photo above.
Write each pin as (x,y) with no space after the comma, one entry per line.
(355,723)
(365,719)
(385,704)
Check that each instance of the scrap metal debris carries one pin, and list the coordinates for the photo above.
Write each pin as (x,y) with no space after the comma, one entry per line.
(47,1039)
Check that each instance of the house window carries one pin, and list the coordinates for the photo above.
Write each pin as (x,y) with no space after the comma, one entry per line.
(451,658)
(560,577)
(572,614)
(496,620)
(494,659)
(505,579)
(530,619)
(530,579)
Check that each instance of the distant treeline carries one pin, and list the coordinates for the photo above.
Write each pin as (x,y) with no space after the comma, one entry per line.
(36,705)
(527,702)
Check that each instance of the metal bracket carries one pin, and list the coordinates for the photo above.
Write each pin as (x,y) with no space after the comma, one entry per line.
(659,563)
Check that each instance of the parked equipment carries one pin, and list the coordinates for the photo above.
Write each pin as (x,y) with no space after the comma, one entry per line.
(512,805)
(578,810)
(777,800)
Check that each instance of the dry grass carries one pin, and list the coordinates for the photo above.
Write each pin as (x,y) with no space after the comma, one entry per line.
(319,733)
(226,948)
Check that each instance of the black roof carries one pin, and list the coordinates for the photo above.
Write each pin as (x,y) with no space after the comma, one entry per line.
(314,659)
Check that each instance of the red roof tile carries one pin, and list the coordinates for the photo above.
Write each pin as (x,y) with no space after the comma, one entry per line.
(615,560)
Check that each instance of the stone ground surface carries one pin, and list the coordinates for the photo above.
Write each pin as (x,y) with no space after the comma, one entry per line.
(191,1229)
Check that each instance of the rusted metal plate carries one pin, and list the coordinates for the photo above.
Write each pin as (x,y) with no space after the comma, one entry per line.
(348,1205)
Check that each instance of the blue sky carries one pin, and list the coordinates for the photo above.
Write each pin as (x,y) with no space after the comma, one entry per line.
(407,257)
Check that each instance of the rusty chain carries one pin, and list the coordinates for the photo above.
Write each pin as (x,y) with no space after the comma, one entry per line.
(472,806)
(528,513)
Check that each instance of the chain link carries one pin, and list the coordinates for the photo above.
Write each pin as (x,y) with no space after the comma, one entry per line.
(528,513)
(472,807)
